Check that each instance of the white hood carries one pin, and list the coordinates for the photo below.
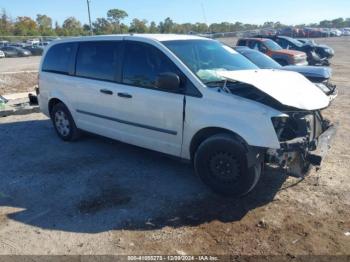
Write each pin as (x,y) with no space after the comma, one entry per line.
(289,88)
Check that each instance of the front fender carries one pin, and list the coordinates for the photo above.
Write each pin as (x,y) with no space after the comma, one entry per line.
(249,120)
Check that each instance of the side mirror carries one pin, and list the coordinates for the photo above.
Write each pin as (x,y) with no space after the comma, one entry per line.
(168,81)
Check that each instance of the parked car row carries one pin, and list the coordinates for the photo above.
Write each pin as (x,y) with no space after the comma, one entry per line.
(20,49)
(193,98)
(290,51)
(13,51)
(313,32)
(320,76)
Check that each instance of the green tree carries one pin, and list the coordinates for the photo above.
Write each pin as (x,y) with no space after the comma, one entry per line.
(102,26)
(45,24)
(167,26)
(138,26)
(115,16)
(71,26)
(326,23)
(6,26)
(201,27)
(25,26)
(338,23)
(123,28)
(153,28)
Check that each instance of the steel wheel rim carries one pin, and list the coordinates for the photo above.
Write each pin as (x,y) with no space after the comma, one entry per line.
(62,123)
(224,166)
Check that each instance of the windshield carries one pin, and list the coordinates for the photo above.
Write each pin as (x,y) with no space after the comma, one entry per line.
(294,41)
(272,45)
(261,60)
(206,58)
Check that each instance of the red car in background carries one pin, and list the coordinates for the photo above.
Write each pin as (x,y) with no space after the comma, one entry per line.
(275,51)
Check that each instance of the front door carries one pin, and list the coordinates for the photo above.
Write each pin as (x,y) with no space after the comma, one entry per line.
(151,117)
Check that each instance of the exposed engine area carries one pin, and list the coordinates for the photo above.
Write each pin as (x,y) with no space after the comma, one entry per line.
(298,135)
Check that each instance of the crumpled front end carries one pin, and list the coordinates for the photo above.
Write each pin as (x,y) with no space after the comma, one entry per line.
(304,137)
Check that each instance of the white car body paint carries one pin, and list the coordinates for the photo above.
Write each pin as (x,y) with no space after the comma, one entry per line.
(152,108)
(289,88)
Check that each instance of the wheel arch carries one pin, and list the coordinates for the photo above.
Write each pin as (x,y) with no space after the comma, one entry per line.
(207,132)
(52,102)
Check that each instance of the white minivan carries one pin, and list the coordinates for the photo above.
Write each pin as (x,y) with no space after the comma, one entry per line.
(185,96)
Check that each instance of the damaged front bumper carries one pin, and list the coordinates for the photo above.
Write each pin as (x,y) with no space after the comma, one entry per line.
(295,156)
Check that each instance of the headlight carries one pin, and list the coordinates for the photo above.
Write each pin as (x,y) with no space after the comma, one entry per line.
(323,87)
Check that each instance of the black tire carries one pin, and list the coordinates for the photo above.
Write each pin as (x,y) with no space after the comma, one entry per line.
(221,162)
(64,124)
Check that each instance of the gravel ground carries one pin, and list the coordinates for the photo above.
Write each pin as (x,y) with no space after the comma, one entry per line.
(98,196)
(18,74)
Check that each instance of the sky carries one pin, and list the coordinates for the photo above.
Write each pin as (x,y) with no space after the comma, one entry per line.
(182,11)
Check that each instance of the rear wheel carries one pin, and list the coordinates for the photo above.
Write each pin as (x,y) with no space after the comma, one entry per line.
(222,164)
(64,124)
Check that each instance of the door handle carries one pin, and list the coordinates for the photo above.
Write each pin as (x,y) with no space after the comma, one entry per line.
(106,91)
(125,95)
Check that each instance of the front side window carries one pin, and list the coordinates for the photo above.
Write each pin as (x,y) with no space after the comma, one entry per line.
(272,45)
(58,58)
(206,58)
(254,45)
(294,42)
(143,63)
(98,60)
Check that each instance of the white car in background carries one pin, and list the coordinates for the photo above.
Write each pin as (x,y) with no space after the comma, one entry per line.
(2,54)
(185,96)
(346,31)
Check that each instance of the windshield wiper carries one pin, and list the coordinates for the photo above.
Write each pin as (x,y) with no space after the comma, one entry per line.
(215,83)
(222,84)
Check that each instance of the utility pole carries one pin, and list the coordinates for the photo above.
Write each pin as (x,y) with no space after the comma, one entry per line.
(88,6)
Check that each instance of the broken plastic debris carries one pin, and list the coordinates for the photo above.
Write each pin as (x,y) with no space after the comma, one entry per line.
(347,234)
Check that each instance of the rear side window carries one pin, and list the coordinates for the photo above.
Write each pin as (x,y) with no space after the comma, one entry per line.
(98,60)
(143,63)
(58,58)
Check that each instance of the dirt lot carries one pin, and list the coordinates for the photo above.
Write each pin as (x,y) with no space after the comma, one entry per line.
(98,196)
(18,74)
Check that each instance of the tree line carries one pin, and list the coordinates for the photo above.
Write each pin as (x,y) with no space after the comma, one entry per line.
(113,24)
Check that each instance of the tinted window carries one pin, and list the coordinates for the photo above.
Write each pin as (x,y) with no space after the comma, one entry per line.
(261,60)
(283,43)
(58,58)
(143,63)
(272,45)
(98,60)
(254,44)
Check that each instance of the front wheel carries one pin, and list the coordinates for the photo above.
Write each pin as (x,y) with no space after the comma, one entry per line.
(64,123)
(222,164)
